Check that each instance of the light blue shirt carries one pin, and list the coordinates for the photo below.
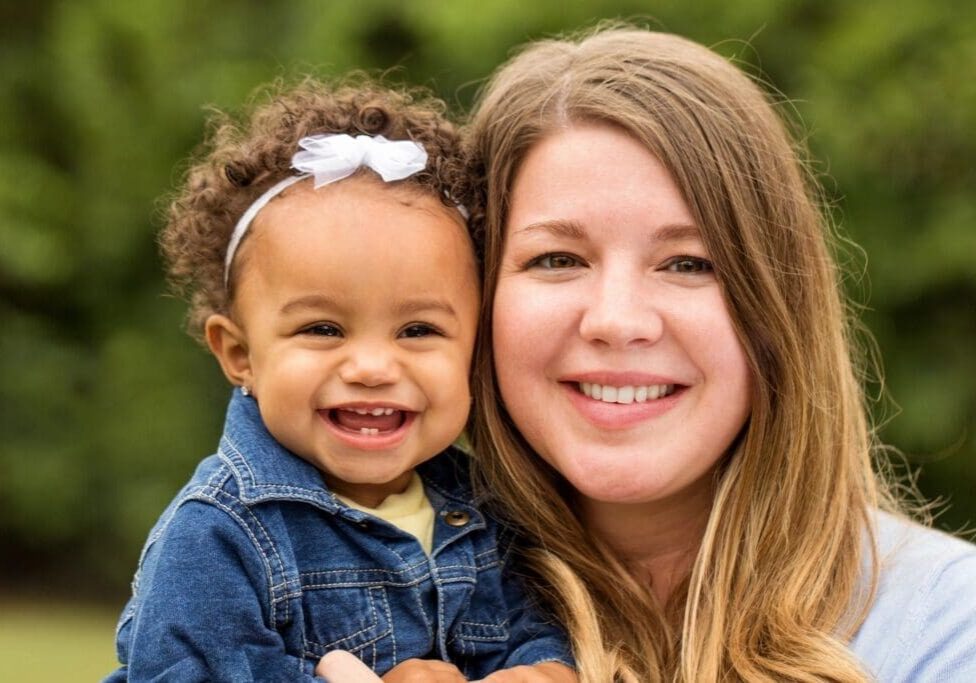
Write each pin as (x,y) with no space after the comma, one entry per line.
(922,625)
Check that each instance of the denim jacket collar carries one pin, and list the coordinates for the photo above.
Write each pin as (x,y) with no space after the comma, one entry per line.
(265,470)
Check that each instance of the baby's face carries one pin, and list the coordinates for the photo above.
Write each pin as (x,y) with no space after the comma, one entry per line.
(359,303)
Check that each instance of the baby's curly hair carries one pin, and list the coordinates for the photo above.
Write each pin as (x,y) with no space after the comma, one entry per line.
(243,156)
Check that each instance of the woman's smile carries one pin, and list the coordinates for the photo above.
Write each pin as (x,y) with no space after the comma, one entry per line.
(621,400)
(609,393)
(622,407)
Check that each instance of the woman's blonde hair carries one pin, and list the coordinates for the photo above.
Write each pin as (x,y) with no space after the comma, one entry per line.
(777,587)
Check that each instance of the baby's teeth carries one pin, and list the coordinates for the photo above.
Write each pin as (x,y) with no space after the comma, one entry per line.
(376,412)
(369,431)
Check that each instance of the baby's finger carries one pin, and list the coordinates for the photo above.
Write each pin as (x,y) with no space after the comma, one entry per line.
(339,666)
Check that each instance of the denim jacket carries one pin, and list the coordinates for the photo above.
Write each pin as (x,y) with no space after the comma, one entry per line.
(256,570)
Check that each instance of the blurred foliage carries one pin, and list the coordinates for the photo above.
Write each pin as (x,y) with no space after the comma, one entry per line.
(105,406)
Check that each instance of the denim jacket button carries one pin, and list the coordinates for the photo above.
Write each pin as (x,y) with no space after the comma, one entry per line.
(457,517)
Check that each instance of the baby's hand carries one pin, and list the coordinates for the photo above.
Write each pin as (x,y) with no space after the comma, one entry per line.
(547,672)
(423,671)
(340,666)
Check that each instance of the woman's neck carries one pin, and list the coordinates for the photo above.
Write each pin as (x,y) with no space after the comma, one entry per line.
(658,540)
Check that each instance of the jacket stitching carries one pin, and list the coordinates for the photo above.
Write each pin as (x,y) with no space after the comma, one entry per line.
(269,570)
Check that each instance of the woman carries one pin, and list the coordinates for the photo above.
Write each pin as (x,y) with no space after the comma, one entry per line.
(670,407)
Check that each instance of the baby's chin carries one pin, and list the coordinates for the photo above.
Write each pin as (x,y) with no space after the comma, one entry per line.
(371,487)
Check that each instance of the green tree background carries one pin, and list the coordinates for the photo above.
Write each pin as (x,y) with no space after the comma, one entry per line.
(105,406)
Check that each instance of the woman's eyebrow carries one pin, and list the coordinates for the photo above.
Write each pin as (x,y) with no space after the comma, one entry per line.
(573,230)
(676,232)
(557,227)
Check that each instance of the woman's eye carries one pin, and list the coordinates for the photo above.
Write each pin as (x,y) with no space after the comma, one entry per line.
(554,261)
(323,330)
(416,330)
(688,264)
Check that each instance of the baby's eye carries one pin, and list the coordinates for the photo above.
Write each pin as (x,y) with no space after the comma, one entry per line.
(416,330)
(688,264)
(554,261)
(323,330)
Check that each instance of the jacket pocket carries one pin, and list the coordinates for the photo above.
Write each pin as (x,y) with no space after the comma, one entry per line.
(479,648)
(356,619)
(480,637)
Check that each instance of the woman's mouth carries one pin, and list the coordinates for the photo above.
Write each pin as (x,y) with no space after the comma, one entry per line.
(629,393)
(622,406)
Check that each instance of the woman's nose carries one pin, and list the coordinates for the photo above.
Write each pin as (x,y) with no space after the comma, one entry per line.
(370,365)
(620,312)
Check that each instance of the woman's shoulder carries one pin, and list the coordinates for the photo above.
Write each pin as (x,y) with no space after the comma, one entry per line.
(922,622)
(905,542)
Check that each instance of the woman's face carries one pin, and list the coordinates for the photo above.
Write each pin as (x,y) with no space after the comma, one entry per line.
(614,349)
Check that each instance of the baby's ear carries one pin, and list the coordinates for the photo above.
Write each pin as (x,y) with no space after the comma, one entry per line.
(229,344)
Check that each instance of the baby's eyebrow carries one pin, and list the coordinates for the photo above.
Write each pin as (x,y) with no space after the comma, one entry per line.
(414,306)
(310,301)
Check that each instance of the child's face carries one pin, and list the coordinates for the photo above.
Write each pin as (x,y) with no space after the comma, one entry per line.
(356,311)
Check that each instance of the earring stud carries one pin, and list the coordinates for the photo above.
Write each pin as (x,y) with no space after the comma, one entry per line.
(246,390)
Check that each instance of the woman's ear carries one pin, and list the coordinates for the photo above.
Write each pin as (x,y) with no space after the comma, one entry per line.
(229,344)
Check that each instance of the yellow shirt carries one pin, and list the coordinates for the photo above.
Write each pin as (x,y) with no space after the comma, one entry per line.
(409,511)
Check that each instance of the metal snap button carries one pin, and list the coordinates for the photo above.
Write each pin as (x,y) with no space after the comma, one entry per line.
(457,518)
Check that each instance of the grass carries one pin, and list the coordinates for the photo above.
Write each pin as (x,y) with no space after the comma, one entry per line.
(55,642)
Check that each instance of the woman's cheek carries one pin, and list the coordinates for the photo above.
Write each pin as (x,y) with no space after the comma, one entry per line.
(532,332)
(522,314)
(510,326)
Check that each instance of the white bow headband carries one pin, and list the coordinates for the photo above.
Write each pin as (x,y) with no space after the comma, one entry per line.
(328,158)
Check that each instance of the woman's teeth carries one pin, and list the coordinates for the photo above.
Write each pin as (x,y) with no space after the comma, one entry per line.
(625,394)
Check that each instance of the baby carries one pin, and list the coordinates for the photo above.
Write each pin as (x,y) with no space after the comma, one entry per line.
(332,275)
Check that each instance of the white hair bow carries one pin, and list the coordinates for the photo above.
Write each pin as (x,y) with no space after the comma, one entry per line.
(328,158)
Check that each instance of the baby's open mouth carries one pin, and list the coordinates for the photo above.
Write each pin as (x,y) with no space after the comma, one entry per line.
(368,421)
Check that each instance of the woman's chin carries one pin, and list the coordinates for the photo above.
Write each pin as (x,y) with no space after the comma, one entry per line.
(616,488)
